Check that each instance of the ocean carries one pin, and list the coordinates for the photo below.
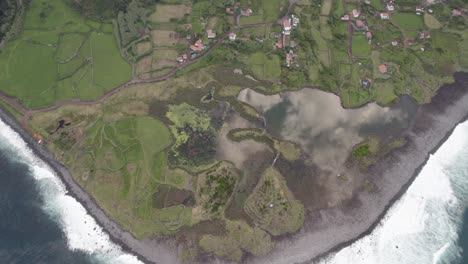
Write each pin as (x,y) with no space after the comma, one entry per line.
(429,223)
(41,223)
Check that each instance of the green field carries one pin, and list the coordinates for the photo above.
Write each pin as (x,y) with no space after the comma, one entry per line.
(122,163)
(60,56)
(263,11)
(265,67)
(361,46)
(408,21)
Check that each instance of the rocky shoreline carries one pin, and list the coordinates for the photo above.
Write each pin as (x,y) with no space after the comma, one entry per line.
(327,230)
(330,230)
(148,251)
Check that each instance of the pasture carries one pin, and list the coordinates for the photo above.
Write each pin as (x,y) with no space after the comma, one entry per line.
(164,37)
(60,56)
(361,46)
(408,21)
(265,67)
(167,13)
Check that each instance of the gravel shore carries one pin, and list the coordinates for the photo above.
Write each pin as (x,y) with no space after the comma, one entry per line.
(148,251)
(327,230)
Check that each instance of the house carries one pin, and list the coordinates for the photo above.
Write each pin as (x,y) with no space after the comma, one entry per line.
(288,59)
(366,83)
(394,43)
(180,59)
(369,35)
(197,46)
(295,21)
(384,16)
(390,7)
(345,17)
(456,12)
(38,137)
(422,35)
(355,13)
(232,36)
(246,12)
(259,39)
(279,45)
(210,34)
(359,23)
(229,11)
(287,26)
(367,2)
(430,11)
(419,9)
(383,68)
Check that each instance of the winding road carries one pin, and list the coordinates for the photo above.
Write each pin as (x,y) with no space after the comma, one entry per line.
(28,112)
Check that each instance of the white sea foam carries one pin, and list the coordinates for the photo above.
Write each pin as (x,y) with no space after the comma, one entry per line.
(81,230)
(422,227)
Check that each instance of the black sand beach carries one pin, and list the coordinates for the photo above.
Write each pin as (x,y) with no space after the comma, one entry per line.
(326,230)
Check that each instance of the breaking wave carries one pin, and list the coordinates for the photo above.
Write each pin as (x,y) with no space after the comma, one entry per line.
(81,230)
(423,226)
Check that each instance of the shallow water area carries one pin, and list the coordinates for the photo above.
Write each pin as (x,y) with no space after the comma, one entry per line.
(317,121)
(426,224)
(50,225)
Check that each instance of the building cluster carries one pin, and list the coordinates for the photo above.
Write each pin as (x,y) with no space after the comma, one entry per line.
(288,23)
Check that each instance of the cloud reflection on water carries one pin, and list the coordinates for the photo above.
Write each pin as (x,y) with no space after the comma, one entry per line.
(317,121)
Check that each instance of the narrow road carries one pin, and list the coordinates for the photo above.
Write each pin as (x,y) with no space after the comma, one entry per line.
(27,112)
(350,31)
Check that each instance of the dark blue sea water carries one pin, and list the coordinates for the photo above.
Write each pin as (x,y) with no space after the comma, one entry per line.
(39,221)
(27,234)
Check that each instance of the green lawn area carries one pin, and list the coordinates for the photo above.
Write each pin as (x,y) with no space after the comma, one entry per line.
(265,67)
(263,11)
(361,45)
(28,71)
(384,92)
(50,13)
(60,56)
(129,165)
(408,21)
(197,10)
(377,4)
(271,9)
(105,52)
(253,19)
(69,44)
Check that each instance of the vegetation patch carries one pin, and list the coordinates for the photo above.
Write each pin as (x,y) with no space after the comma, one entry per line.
(215,187)
(265,67)
(170,13)
(240,238)
(273,207)
(361,46)
(408,21)
(194,135)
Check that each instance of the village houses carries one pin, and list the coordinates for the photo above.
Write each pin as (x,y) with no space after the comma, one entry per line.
(197,46)
(232,36)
